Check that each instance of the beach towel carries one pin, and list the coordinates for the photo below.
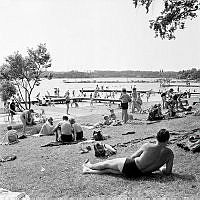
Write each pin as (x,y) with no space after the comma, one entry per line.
(190,144)
(58,143)
(8,195)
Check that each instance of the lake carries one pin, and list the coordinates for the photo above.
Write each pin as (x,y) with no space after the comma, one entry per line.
(47,86)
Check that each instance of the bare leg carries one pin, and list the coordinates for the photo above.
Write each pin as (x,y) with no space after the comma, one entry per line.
(87,170)
(114,164)
(67,108)
(125,116)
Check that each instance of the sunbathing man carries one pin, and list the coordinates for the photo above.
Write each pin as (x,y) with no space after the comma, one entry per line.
(149,158)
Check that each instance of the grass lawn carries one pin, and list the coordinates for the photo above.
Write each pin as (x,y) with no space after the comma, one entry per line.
(56,172)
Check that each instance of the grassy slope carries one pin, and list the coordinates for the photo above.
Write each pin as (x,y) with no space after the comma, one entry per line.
(63,167)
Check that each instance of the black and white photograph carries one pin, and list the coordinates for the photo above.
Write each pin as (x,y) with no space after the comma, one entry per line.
(99,99)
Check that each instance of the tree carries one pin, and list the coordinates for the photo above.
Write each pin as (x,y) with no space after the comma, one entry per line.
(172,17)
(26,72)
(7,90)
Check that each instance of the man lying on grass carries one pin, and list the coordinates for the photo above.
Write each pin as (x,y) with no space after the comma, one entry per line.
(149,158)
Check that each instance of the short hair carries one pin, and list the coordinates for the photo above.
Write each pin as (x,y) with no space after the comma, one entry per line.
(106,117)
(9,128)
(50,118)
(31,110)
(163,135)
(123,89)
(72,120)
(65,117)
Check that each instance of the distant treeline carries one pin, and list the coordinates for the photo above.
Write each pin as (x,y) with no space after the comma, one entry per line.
(192,74)
(108,74)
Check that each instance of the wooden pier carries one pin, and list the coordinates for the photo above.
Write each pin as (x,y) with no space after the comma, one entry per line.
(61,100)
(119,91)
(176,85)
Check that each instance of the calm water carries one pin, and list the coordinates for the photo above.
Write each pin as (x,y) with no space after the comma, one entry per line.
(47,86)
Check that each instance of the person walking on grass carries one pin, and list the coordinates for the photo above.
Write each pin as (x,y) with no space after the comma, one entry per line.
(125,99)
(149,158)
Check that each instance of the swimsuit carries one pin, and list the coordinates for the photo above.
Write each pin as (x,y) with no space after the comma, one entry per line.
(130,168)
(124,106)
(66,138)
(79,135)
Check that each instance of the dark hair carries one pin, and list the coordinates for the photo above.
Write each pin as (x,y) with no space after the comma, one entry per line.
(65,117)
(123,89)
(163,135)
(9,128)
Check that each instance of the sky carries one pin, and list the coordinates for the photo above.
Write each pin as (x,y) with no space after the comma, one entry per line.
(88,35)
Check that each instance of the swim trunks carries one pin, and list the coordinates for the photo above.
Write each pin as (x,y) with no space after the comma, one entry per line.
(124,106)
(79,135)
(130,168)
(66,138)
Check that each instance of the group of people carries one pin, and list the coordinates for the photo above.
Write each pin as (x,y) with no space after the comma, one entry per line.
(66,130)
(174,102)
(126,99)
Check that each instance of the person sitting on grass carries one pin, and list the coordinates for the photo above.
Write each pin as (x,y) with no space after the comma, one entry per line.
(64,130)
(27,118)
(78,131)
(10,137)
(149,158)
(112,115)
(47,127)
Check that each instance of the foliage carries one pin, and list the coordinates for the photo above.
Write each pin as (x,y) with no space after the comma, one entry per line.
(109,74)
(7,90)
(172,17)
(26,72)
(192,74)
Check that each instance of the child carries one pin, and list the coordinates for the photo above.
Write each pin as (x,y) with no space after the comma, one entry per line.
(112,115)
(107,120)
(10,137)
(125,99)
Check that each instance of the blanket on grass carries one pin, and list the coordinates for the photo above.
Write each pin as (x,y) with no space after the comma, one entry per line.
(191,144)
(58,143)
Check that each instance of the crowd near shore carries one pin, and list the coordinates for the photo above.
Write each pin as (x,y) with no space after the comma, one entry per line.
(73,124)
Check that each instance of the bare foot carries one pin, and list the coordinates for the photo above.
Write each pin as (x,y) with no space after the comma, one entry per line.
(87,164)
(86,170)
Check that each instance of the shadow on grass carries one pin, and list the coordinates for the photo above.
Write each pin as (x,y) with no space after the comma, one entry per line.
(159,177)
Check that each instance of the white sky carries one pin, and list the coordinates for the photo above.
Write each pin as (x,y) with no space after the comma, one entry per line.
(95,35)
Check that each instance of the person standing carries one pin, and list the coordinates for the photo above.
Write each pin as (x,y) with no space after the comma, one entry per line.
(12,109)
(67,101)
(134,100)
(125,99)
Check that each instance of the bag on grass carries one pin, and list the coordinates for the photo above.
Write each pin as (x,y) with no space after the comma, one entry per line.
(97,135)
(99,150)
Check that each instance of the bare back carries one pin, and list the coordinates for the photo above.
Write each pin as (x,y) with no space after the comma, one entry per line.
(153,156)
